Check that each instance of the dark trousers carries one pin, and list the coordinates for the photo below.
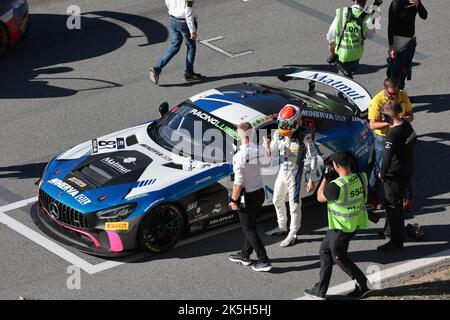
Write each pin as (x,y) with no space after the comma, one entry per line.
(394,191)
(247,216)
(375,186)
(334,248)
(408,189)
(347,68)
(401,67)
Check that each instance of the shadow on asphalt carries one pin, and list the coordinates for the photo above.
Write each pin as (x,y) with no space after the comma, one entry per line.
(245,75)
(431,174)
(51,43)
(24,171)
(363,69)
(434,103)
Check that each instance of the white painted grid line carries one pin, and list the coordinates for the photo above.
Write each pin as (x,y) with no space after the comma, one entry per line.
(18,204)
(45,243)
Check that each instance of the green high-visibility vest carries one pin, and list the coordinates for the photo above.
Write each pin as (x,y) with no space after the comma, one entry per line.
(348,213)
(352,45)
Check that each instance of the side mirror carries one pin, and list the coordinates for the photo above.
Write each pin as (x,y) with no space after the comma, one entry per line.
(163,108)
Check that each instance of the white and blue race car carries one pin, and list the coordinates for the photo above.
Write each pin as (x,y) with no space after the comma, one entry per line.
(146,187)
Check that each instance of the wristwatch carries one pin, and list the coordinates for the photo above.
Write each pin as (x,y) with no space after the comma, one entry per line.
(233,200)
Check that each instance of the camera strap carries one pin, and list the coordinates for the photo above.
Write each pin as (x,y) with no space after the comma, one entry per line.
(347,20)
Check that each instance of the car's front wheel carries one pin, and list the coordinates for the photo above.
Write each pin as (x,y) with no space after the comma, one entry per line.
(161,228)
(4,39)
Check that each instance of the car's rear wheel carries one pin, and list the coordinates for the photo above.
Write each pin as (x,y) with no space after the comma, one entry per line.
(4,39)
(161,228)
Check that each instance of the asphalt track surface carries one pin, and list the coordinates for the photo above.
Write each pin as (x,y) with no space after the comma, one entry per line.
(59,88)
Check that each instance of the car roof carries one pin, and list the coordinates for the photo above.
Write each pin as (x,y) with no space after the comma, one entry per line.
(243,102)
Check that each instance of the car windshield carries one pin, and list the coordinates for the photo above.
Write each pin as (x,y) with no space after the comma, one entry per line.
(191,132)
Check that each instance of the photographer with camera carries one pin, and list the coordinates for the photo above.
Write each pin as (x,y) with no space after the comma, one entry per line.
(346,36)
(345,193)
(380,123)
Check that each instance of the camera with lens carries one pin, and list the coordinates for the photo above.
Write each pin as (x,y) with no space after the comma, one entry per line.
(333,58)
(329,173)
(378,3)
(385,118)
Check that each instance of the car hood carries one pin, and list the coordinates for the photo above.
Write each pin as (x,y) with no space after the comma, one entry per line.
(124,166)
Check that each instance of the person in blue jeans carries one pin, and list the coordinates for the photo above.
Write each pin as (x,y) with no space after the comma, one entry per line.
(182,25)
(374,182)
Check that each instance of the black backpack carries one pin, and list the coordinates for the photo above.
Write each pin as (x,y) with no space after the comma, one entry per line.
(415,231)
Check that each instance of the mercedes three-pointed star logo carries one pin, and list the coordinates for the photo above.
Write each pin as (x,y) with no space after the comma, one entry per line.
(54,210)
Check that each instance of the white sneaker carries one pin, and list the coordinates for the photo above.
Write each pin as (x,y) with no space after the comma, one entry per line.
(289,240)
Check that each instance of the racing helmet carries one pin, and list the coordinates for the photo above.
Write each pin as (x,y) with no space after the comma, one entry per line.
(289,119)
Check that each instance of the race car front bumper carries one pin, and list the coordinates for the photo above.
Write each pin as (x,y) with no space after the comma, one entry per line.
(93,241)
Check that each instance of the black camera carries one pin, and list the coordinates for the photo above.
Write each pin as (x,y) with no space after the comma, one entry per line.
(329,173)
(373,217)
(385,118)
(378,3)
(333,58)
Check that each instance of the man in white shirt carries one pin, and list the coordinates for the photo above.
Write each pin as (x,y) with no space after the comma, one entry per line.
(247,163)
(182,25)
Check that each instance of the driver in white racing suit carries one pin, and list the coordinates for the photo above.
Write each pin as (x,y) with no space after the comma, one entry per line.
(295,145)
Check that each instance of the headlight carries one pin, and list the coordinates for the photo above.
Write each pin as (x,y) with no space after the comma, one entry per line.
(116,213)
(17,3)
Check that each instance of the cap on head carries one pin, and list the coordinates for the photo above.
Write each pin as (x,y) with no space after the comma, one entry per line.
(342,158)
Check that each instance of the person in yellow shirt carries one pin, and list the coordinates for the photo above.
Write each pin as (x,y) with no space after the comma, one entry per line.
(380,123)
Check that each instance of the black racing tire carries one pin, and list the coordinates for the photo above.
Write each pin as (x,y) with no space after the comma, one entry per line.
(4,39)
(161,228)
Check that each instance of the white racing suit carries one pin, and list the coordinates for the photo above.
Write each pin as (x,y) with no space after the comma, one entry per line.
(293,152)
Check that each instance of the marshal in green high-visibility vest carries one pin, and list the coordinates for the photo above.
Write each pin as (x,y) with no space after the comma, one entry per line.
(348,213)
(351,46)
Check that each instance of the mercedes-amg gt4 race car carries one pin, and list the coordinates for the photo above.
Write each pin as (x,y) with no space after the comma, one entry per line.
(135,189)
(14,22)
